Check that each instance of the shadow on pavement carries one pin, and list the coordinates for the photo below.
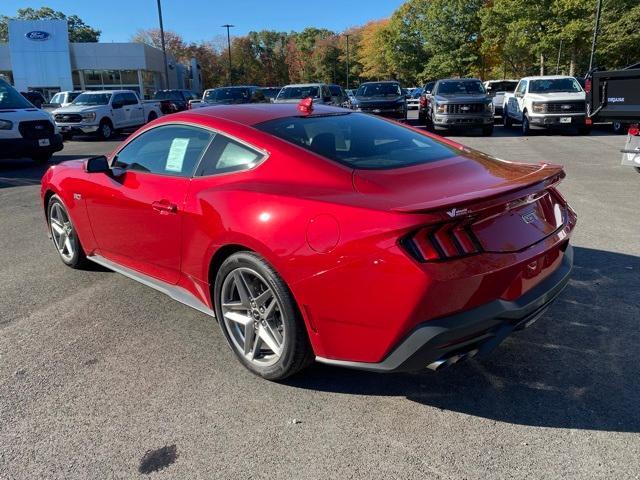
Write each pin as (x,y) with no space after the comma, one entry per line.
(575,368)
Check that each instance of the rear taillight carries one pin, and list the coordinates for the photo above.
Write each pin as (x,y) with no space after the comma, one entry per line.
(442,242)
(587,85)
(634,130)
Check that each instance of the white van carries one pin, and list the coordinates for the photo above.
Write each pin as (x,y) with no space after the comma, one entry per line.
(25,131)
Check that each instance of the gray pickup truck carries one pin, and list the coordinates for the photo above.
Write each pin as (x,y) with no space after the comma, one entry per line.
(459,103)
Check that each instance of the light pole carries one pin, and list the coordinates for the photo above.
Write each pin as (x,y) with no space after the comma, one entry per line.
(347,36)
(559,54)
(227,26)
(595,34)
(164,50)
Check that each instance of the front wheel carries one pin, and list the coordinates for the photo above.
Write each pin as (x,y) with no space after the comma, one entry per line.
(526,128)
(105,130)
(259,318)
(64,235)
(152,117)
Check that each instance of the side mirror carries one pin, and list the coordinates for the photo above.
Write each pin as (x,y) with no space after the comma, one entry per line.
(98,164)
(518,94)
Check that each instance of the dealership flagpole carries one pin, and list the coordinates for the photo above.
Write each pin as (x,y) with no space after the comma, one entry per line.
(164,50)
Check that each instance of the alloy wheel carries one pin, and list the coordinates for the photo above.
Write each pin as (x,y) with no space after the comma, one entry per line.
(253,317)
(62,232)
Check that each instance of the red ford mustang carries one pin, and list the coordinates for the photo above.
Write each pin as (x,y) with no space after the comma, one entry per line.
(320,233)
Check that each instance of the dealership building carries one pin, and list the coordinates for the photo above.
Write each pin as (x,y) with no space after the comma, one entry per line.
(39,57)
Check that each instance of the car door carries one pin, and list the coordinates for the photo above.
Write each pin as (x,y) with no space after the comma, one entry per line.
(136,111)
(118,112)
(136,211)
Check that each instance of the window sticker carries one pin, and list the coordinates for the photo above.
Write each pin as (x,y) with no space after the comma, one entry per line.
(178,150)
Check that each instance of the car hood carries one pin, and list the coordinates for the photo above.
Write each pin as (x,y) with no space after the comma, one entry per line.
(465,177)
(77,109)
(556,96)
(461,98)
(365,100)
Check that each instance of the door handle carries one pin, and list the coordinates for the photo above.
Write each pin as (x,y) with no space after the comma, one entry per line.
(164,207)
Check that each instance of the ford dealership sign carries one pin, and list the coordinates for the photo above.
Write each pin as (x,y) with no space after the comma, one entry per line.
(38,35)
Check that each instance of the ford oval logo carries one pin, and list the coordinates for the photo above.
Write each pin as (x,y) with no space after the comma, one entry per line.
(38,35)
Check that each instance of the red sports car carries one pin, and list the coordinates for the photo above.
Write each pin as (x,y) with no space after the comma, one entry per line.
(321,233)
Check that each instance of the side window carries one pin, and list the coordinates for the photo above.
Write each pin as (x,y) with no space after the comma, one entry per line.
(226,155)
(166,150)
(118,98)
(130,98)
(522,87)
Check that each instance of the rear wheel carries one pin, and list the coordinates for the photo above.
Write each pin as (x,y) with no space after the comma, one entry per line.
(619,128)
(64,235)
(585,130)
(259,318)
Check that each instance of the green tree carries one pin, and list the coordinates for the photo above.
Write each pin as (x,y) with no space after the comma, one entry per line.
(78,30)
(372,50)
(619,40)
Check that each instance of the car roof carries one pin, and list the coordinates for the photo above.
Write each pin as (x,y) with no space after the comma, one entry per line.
(458,80)
(253,113)
(304,85)
(547,77)
(108,91)
(382,81)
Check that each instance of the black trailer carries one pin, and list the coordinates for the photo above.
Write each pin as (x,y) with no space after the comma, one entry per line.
(614,96)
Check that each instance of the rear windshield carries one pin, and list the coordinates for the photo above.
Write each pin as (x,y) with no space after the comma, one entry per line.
(379,90)
(554,85)
(168,95)
(358,140)
(92,99)
(453,87)
(10,98)
(220,94)
(299,92)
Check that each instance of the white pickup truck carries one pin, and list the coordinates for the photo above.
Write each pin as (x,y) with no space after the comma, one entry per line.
(547,101)
(25,131)
(104,112)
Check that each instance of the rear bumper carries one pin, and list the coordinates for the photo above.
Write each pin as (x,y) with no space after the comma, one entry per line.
(444,341)
(23,147)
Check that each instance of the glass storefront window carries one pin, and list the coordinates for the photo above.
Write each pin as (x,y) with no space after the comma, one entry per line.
(93,77)
(129,77)
(111,77)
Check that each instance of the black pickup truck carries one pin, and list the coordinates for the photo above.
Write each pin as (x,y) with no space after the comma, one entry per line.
(614,96)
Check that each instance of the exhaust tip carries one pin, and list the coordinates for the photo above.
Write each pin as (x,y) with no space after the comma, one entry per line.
(437,365)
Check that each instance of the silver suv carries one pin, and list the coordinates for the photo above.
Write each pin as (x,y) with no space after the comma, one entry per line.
(294,93)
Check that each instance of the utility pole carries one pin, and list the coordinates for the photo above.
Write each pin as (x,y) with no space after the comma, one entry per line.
(559,53)
(227,26)
(347,35)
(595,34)
(164,50)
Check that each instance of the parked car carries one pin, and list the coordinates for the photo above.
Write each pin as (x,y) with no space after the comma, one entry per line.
(103,112)
(271,93)
(321,233)
(338,96)
(413,101)
(319,92)
(62,99)
(424,100)
(459,103)
(381,98)
(176,100)
(25,131)
(36,98)
(232,95)
(496,90)
(546,101)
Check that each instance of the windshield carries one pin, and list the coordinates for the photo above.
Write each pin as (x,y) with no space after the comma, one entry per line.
(221,94)
(379,90)
(168,95)
(506,86)
(359,140)
(10,98)
(460,87)
(554,85)
(299,92)
(92,99)
(271,92)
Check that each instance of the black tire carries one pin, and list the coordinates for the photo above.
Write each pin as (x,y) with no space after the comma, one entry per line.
(66,136)
(506,120)
(41,158)
(152,117)
(526,127)
(296,352)
(619,128)
(584,130)
(78,259)
(487,130)
(105,130)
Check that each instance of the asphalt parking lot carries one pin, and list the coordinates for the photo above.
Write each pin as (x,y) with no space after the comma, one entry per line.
(97,370)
